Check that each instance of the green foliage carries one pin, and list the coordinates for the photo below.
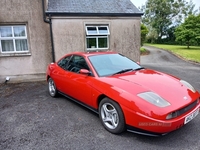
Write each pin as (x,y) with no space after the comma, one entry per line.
(189,31)
(143,51)
(152,36)
(161,16)
(144,32)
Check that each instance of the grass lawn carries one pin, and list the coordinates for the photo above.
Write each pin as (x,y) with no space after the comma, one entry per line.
(192,54)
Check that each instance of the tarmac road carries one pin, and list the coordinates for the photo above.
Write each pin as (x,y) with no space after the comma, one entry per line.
(31,120)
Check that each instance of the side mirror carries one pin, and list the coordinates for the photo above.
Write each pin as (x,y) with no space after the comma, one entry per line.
(84,71)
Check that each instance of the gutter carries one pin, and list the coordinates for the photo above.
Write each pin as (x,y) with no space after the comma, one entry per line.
(95,14)
(51,32)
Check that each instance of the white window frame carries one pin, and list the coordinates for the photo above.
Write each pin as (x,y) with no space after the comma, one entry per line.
(97,29)
(13,38)
(97,36)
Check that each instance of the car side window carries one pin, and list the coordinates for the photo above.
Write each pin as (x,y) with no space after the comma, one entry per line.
(63,63)
(77,63)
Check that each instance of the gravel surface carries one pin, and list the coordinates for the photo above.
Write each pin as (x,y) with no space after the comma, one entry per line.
(31,120)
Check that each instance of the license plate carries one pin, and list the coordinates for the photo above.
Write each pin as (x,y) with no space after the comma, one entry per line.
(191,116)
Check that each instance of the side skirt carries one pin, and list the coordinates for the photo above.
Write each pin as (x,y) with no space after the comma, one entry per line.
(80,103)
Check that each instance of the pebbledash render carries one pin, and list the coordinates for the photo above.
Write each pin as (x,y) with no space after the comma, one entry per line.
(34,33)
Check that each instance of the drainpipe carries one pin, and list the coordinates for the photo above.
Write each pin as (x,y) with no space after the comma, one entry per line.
(51,32)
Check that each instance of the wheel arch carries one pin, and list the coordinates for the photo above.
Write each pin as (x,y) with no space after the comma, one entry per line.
(102,96)
(47,77)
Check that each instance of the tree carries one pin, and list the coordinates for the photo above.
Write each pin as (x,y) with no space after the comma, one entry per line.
(170,36)
(144,32)
(161,15)
(189,31)
(152,36)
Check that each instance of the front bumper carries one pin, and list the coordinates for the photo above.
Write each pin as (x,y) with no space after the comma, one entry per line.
(154,127)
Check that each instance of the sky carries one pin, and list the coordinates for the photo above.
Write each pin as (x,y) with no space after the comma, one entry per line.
(139,3)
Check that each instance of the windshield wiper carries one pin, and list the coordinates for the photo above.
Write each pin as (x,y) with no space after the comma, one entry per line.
(122,71)
(139,68)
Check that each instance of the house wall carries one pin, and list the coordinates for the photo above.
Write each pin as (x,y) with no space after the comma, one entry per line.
(69,34)
(32,65)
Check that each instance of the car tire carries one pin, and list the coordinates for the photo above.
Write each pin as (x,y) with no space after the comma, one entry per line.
(111,116)
(52,88)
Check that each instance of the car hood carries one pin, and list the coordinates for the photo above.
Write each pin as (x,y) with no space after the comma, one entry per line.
(168,87)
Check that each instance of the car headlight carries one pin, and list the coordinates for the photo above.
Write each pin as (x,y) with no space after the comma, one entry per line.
(154,99)
(188,85)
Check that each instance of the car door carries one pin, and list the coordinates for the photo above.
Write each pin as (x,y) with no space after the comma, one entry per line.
(78,85)
(61,74)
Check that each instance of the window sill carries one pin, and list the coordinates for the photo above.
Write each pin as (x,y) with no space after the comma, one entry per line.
(97,49)
(15,54)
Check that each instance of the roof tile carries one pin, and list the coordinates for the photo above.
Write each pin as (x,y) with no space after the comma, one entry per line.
(92,6)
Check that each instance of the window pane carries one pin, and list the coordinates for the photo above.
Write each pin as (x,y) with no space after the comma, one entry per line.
(19,31)
(63,62)
(7,45)
(102,42)
(91,43)
(77,63)
(103,30)
(6,31)
(21,45)
(91,30)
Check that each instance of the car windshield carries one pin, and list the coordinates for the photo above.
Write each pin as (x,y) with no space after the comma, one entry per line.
(111,64)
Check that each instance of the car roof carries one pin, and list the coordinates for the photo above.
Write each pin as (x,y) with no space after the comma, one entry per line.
(87,54)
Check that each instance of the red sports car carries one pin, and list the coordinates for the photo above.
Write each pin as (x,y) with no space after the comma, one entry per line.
(125,95)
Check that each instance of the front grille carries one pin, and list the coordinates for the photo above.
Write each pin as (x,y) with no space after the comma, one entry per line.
(187,108)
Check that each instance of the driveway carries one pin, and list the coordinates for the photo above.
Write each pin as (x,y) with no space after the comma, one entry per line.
(31,119)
